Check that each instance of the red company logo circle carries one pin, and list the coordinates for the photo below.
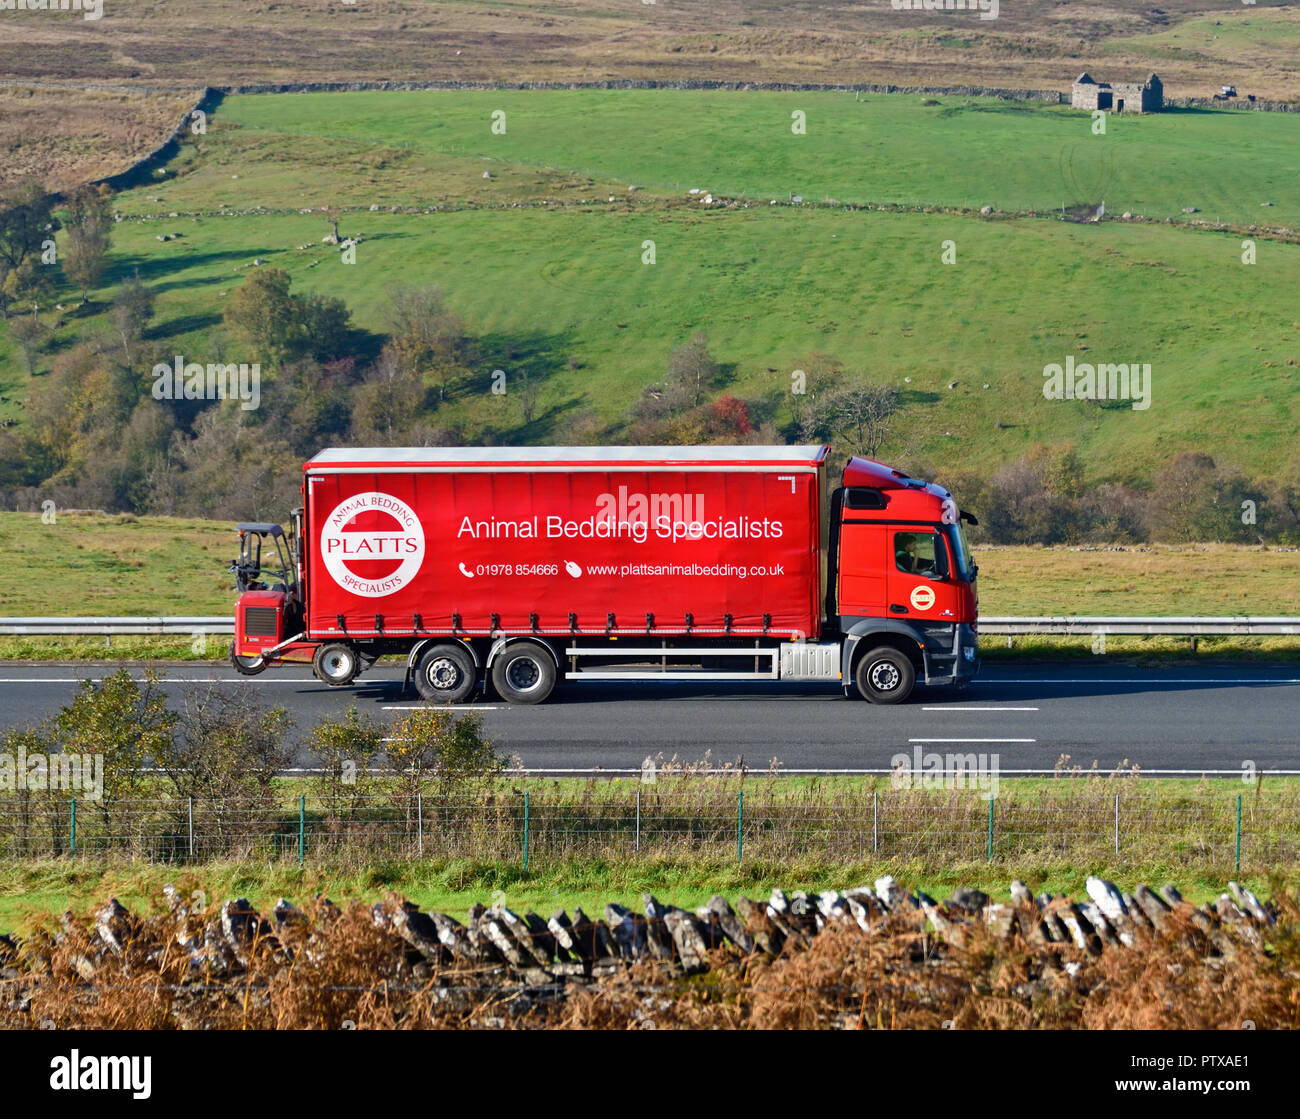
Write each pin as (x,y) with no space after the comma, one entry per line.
(372,544)
(922,597)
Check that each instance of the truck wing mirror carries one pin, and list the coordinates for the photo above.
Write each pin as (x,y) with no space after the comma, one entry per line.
(969,518)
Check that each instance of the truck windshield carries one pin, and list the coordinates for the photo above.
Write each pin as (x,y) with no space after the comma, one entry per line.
(965,568)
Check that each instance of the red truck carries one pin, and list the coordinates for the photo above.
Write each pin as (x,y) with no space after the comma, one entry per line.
(525,565)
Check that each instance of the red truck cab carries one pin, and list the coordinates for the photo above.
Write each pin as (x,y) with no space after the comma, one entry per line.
(903,580)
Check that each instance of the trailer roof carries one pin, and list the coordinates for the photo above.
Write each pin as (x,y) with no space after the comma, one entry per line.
(519,458)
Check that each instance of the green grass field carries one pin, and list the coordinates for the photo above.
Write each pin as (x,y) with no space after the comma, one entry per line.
(563,291)
(885,149)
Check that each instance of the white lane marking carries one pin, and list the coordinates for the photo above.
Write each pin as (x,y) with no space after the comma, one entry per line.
(1146,680)
(609,772)
(979,708)
(431,707)
(972,740)
(170,680)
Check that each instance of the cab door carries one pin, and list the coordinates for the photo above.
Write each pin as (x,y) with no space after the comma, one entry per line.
(862,571)
(919,581)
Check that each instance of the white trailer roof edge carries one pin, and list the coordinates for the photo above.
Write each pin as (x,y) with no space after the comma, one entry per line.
(349,459)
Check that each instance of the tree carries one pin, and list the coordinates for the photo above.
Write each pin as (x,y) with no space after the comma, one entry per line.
(86,259)
(428,337)
(443,747)
(858,415)
(388,400)
(345,748)
(89,226)
(282,326)
(126,723)
(132,309)
(693,367)
(26,222)
(323,326)
(820,372)
(1196,500)
(27,333)
(263,310)
(225,754)
(729,417)
(29,285)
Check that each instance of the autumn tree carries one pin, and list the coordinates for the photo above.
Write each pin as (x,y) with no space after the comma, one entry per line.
(133,307)
(89,225)
(429,338)
(26,224)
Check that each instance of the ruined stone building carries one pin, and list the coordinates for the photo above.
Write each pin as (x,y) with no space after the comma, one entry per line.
(1118,97)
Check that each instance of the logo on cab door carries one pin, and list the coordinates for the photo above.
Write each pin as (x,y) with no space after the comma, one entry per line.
(922,597)
(372,544)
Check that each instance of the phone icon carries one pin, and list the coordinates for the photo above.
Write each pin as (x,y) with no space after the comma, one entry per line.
(466,572)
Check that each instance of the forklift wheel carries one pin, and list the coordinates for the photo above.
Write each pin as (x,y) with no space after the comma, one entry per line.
(246,666)
(336,664)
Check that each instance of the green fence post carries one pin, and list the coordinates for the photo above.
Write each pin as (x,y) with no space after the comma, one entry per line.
(525,829)
(990,829)
(740,826)
(1238,835)
(302,829)
(72,827)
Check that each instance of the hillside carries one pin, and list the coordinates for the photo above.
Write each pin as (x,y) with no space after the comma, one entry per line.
(544,258)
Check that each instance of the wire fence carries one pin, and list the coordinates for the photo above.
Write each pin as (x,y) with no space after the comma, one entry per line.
(1217,828)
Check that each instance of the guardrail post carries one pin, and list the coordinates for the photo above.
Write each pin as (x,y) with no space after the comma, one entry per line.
(1239,835)
(72,826)
(190,808)
(740,825)
(302,829)
(990,829)
(419,820)
(638,821)
(1117,823)
(526,823)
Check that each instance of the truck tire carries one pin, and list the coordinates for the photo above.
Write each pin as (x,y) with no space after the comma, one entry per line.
(884,675)
(445,674)
(246,666)
(524,673)
(336,664)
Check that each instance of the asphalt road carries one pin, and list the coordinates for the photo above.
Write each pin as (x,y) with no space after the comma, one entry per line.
(1172,718)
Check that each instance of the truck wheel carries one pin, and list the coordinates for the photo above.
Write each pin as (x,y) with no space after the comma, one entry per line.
(246,666)
(445,674)
(884,675)
(336,664)
(524,673)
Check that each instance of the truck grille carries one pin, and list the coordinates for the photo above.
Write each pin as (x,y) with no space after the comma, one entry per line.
(259,621)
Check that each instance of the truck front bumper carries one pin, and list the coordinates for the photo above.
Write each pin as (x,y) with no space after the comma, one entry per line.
(957,662)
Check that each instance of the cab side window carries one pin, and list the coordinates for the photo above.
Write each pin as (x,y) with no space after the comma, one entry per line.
(921,553)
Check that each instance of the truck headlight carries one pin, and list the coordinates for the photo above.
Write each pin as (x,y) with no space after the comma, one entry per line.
(969,652)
